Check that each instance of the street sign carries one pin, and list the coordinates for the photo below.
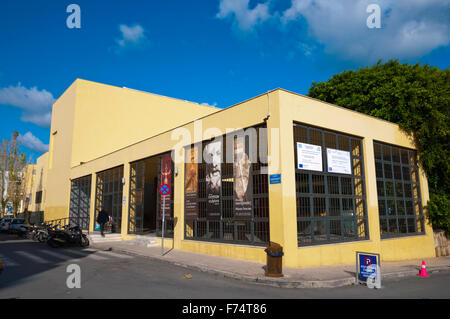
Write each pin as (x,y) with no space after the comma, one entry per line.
(275,179)
(368,269)
(164,190)
(9,208)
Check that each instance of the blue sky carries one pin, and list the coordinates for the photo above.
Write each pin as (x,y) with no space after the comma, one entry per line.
(219,52)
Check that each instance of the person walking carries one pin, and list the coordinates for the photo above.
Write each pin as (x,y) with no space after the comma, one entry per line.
(102,218)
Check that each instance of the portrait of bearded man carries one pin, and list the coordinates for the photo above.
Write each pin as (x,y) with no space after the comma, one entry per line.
(241,169)
(213,157)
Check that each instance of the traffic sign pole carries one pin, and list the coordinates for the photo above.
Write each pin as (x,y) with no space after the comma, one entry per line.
(164,190)
(163,222)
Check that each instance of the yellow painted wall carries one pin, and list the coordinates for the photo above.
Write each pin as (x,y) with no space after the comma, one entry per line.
(296,108)
(60,152)
(239,116)
(39,183)
(285,108)
(28,180)
(92,119)
(108,118)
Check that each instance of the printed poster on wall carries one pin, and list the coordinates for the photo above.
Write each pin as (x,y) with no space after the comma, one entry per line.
(213,159)
(243,186)
(309,157)
(166,178)
(191,184)
(338,161)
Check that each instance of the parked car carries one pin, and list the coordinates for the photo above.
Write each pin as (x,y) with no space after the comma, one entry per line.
(4,224)
(18,225)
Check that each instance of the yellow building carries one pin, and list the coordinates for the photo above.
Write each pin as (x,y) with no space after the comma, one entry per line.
(320,180)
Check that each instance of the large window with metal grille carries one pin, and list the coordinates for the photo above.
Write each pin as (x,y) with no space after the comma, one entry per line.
(80,201)
(227,200)
(330,187)
(398,188)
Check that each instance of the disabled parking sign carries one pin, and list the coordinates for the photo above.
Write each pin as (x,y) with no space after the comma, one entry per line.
(368,269)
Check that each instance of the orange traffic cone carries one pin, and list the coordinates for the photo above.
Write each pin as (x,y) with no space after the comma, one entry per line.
(423,270)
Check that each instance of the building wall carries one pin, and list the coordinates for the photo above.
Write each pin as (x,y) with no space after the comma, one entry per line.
(285,109)
(91,120)
(39,183)
(239,116)
(310,111)
(28,180)
(108,118)
(60,153)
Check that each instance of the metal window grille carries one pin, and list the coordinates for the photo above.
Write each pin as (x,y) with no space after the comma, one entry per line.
(136,203)
(398,189)
(80,201)
(230,229)
(331,207)
(108,195)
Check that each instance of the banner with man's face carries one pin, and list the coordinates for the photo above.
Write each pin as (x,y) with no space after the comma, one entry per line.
(243,186)
(191,184)
(213,159)
(166,178)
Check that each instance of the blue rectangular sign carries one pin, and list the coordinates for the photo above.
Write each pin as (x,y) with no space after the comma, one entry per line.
(275,179)
(367,265)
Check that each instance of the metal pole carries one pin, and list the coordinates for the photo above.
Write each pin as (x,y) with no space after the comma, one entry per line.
(162,228)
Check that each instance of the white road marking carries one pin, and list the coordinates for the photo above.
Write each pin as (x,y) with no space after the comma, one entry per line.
(55,254)
(8,262)
(32,257)
(110,253)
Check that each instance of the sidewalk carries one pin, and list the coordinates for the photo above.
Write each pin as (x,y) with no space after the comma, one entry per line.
(309,277)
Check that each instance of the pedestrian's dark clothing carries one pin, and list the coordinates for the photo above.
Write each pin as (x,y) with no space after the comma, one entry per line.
(102,217)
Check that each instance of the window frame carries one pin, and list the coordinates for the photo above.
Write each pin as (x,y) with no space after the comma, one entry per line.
(258,226)
(386,218)
(334,220)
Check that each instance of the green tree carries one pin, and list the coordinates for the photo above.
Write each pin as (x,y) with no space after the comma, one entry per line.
(12,162)
(417,97)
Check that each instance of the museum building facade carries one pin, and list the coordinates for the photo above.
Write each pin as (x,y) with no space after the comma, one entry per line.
(318,179)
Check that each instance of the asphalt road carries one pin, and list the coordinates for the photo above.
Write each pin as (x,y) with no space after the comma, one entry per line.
(34,270)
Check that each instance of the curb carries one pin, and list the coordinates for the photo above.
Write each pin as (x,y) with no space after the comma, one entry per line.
(281,283)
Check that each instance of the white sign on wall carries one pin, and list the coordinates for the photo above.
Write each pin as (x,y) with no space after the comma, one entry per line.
(309,157)
(338,161)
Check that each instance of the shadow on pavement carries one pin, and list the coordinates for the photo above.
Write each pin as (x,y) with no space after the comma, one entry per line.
(23,259)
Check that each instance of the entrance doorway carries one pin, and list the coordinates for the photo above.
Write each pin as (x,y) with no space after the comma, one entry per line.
(143,196)
(144,211)
(108,195)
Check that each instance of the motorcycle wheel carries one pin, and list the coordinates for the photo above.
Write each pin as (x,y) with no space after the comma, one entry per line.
(84,241)
(41,237)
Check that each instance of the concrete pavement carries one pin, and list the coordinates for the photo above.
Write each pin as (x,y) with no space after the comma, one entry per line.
(306,277)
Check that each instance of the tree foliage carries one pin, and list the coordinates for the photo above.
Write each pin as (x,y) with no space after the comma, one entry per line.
(12,163)
(417,97)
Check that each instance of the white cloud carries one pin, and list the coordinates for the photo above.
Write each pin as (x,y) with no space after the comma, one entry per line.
(36,105)
(32,142)
(207,104)
(409,28)
(243,17)
(132,37)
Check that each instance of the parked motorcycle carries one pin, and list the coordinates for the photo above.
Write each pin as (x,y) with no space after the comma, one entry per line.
(39,233)
(68,236)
